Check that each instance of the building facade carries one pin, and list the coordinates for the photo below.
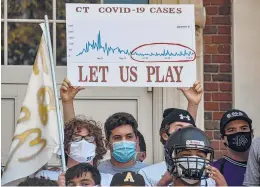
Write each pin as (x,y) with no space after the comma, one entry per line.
(227,49)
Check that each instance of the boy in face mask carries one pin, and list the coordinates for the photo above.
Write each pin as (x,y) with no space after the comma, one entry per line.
(83,142)
(173,119)
(188,155)
(236,134)
(121,137)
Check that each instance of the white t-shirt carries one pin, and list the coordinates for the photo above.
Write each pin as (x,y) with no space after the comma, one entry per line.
(54,175)
(152,175)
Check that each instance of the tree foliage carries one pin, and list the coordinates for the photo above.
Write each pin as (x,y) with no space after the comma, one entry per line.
(24,38)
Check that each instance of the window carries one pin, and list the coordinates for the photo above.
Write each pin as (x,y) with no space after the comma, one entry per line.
(21,33)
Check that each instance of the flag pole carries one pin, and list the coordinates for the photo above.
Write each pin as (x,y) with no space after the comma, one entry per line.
(59,119)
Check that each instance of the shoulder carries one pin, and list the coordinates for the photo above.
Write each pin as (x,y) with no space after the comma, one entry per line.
(254,150)
(104,163)
(217,163)
(105,167)
(106,175)
(106,179)
(140,165)
(256,142)
(158,166)
(153,173)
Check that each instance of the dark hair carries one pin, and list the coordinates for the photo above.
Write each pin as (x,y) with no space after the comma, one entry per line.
(79,169)
(94,129)
(164,130)
(119,119)
(141,141)
(38,182)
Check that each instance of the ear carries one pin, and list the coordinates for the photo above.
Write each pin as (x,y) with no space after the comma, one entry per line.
(223,139)
(252,133)
(165,136)
(143,157)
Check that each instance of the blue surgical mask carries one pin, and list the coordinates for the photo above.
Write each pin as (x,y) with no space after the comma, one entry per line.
(124,151)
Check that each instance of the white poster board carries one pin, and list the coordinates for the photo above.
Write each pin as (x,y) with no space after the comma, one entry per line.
(131,45)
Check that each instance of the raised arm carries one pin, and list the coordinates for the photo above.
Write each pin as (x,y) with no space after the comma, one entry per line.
(67,94)
(193,95)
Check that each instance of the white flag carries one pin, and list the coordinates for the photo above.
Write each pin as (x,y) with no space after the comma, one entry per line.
(36,135)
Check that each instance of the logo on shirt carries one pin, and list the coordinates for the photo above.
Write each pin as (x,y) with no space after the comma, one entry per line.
(90,158)
(184,117)
(129,177)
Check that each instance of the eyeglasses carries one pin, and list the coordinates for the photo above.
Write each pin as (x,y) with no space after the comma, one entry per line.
(77,138)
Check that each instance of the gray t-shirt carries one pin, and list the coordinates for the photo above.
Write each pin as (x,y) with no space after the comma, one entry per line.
(252,176)
(107,167)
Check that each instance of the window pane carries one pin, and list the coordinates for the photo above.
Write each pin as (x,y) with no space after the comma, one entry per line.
(23,42)
(2,8)
(2,44)
(61,45)
(32,9)
(61,6)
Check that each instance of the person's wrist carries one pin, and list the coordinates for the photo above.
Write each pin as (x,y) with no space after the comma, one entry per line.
(191,103)
(67,102)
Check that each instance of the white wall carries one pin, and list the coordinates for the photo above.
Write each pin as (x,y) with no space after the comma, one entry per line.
(246,59)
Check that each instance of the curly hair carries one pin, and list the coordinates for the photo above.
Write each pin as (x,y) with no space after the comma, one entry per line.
(118,119)
(94,129)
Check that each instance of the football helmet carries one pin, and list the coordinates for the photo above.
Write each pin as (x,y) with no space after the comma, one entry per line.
(188,167)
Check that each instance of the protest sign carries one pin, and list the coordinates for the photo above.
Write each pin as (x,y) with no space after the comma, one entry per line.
(131,45)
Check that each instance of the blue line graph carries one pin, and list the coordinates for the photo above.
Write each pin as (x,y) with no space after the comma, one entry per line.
(107,50)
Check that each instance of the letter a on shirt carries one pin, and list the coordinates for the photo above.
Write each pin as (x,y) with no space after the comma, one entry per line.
(129,178)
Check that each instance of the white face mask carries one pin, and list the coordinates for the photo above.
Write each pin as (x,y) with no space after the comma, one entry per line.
(82,151)
(193,163)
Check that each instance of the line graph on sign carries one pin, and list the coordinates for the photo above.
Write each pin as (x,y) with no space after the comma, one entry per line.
(150,52)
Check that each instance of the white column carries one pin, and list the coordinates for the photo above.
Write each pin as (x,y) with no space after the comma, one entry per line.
(246,58)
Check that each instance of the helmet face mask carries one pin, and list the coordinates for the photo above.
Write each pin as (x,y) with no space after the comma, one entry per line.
(189,162)
(187,153)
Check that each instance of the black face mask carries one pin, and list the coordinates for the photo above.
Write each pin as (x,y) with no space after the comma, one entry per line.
(239,142)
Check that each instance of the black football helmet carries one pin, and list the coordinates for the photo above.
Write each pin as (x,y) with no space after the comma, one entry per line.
(190,166)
